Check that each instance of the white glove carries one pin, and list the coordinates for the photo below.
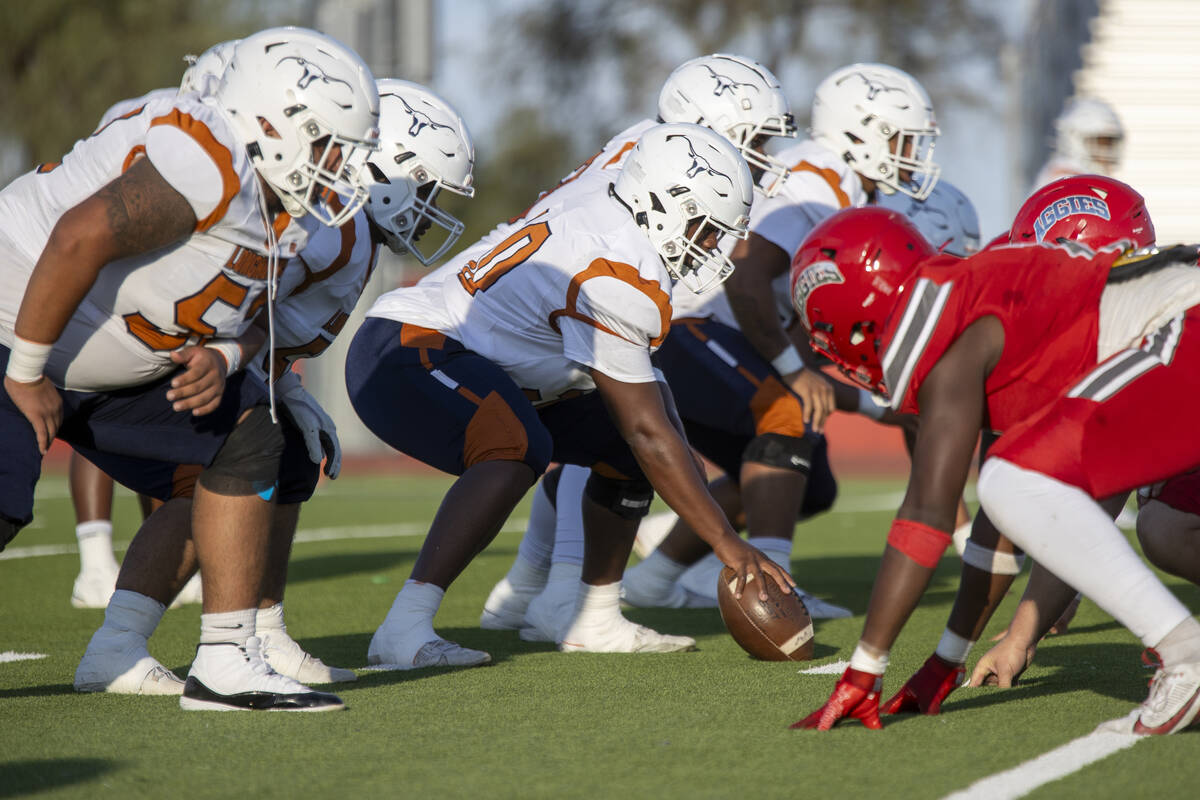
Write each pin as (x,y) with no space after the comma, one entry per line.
(320,434)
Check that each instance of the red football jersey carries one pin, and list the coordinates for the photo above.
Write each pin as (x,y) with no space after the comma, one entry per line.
(1046,298)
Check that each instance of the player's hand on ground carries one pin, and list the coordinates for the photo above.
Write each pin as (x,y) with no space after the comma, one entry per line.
(41,404)
(1003,664)
(926,689)
(816,396)
(752,567)
(856,696)
(198,388)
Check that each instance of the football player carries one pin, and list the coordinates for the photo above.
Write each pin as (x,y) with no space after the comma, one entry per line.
(317,292)
(92,490)
(751,404)
(150,246)
(1088,138)
(534,344)
(1068,353)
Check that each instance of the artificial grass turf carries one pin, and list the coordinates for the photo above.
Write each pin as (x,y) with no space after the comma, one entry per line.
(539,723)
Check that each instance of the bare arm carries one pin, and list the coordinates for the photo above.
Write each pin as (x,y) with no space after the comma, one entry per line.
(640,414)
(134,214)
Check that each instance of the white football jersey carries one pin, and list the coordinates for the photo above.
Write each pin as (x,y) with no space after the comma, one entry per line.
(319,289)
(143,308)
(818,184)
(575,284)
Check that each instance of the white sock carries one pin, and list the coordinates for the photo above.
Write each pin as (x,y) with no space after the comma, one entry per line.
(568,531)
(1182,644)
(525,575)
(228,626)
(413,611)
(863,661)
(1068,533)
(598,605)
(953,648)
(130,611)
(270,619)
(95,544)
(775,548)
(538,542)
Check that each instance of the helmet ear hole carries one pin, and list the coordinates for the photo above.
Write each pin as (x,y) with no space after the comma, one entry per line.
(858,332)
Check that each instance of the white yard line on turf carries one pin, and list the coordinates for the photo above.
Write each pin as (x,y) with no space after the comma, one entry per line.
(834,668)
(1110,737)
(9,655)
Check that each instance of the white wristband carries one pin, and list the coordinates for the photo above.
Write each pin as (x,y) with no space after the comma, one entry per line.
(868,407)
(27,360)
(788,361)
(232,351)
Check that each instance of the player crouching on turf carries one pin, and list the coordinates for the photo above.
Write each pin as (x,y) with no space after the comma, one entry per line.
(534,345)
(1069,353)
(318,292)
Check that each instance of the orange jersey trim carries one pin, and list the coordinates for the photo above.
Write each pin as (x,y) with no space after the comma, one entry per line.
(830,177)
(623,272)
(219,153)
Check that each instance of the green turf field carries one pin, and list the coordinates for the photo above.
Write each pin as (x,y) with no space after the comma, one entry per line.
(538,723)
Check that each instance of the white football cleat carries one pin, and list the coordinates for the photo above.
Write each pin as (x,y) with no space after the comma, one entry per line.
(228,677)
(822,609)
(288,658)
(191,594)
(652,530)
(94,586)
(119,663)
(622,636)
(506,605)
(1174,699)
(391,655)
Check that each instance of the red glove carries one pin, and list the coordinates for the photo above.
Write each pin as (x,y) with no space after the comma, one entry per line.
(856,695)
(925,691)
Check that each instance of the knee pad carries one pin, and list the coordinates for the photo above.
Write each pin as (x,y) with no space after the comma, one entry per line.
(628,499)
(8,531)
(776,450)
(550,484)
(248,461)
(992,561)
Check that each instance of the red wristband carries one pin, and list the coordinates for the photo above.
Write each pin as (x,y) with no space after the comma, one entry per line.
(920,542)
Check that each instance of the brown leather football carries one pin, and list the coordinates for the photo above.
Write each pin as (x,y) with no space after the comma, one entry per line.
(778,629)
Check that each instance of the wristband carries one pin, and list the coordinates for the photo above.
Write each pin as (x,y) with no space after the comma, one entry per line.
(27,360)
(232,351)
(788,361)
(868,407)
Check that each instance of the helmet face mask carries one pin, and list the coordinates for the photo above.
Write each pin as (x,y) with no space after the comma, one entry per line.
(1089,134)
(880,120)
(848,277)
(739,99)
(1091,210)
(307,109)
(425,149)
(686,187)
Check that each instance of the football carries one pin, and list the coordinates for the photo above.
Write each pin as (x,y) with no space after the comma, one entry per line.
(778,629)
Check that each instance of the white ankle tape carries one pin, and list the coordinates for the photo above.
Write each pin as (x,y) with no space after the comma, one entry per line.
(992,561)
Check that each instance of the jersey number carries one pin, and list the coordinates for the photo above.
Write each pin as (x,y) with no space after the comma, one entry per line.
(477,276)
(189,314)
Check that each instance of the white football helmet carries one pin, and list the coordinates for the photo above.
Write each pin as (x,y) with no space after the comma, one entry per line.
(680,182)
(1089,134)
(424,148)
(736,97)
(205,70)
(880,120)
(307,109)
(947,218)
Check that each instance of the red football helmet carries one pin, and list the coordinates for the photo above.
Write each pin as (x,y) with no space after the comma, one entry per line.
(847,277)
(1090,209)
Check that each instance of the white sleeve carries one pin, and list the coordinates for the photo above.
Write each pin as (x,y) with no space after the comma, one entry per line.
(789,216)
(612,326)
(195,164)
